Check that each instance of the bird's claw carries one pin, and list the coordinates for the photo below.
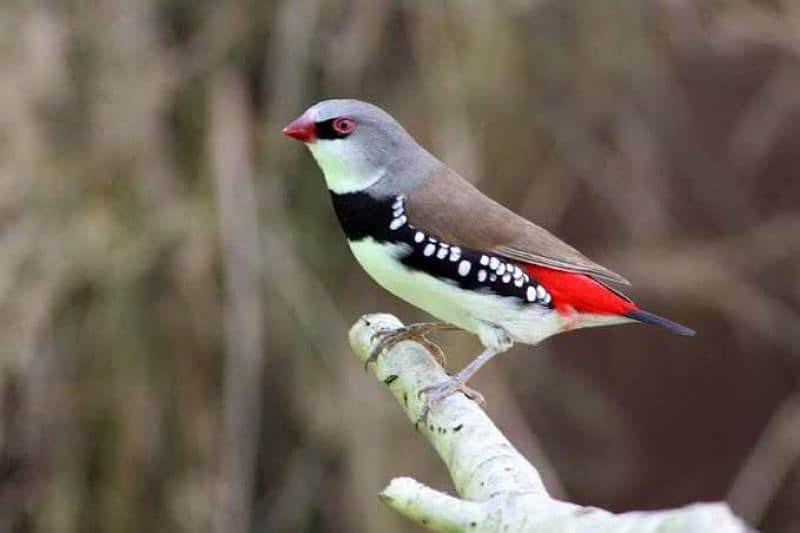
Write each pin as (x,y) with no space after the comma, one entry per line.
(387,340)
(472,394)
(416,332)
(436,393)
(433,349)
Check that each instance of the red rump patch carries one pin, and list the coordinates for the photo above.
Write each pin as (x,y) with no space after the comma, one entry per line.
(579,292)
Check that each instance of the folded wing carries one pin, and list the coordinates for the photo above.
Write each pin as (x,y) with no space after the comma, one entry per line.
(453,209)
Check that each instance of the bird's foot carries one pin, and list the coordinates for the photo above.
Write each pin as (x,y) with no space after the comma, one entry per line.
(472,394)
(436,393)
(414,332)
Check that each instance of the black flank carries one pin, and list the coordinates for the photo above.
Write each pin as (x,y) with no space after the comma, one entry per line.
(361,216)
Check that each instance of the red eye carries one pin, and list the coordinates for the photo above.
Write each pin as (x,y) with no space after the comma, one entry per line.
(344,126)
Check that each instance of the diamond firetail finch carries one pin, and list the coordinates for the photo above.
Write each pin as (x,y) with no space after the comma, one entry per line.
(431,238)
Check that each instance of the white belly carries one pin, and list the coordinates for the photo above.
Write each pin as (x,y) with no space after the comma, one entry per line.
(446,301)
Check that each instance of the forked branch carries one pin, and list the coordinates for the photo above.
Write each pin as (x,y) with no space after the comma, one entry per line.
(499,489)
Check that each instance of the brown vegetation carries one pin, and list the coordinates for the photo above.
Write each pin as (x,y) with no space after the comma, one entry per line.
(175,293)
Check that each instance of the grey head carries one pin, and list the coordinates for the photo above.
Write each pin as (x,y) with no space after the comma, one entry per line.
(361,148)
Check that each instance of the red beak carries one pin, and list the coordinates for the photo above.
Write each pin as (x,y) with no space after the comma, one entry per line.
(302,129)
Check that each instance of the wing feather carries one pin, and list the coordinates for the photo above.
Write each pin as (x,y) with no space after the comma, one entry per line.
(448,206)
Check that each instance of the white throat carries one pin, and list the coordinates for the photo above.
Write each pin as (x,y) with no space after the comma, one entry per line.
(342,175)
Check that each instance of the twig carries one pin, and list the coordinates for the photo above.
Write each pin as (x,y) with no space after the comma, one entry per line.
(500,490)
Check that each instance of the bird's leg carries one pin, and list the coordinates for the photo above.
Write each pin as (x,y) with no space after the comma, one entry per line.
(415,332)
(457,382)
(496,340)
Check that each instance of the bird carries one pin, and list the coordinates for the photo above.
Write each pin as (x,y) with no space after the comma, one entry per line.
(431,238)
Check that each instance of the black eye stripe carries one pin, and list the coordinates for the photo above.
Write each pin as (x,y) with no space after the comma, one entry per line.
(325,130)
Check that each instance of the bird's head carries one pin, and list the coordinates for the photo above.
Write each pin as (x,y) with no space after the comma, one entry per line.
(359,146)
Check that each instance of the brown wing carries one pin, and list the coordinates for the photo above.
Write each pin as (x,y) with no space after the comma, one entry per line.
(450,207)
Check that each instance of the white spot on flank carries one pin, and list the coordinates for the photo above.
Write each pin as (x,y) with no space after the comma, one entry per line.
(442,253)
(519,282)
(398,203)
(492,277)
(432,239)
(530,294)
(517,272)
(464,267)
(546,299)
(484,260)
(540,292)
(481,275)
(397,223)
(429,249)
(397,212)
(455,254)
(507,278)
(501,269)
(493,262)
(419,236)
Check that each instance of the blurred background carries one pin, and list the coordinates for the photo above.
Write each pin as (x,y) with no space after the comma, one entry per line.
(175,292)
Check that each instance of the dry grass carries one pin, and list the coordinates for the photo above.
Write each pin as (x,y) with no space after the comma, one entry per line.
(175,294)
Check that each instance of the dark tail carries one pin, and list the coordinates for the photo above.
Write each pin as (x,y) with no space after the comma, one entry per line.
(650,318)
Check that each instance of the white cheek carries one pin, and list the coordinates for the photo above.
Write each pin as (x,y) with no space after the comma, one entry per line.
(342,166)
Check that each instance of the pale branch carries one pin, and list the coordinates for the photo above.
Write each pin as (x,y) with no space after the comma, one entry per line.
(499,489)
